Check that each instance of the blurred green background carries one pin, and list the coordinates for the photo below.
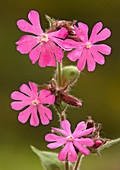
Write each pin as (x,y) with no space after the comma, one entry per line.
(99,90)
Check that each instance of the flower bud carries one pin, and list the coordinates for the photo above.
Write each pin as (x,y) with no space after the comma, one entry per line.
(69,75)
(98,143)
(90,123)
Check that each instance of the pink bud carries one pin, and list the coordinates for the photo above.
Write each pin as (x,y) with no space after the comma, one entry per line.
(98,143)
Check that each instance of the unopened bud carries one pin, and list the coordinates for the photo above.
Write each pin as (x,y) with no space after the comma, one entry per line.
(69,75)
(70,99)
(90,123)
(98,143)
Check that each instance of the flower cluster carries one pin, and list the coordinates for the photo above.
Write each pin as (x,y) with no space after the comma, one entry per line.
(33,100)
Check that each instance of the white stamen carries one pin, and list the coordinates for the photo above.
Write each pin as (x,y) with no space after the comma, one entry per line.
(88,45)
(70,138)
(44,38)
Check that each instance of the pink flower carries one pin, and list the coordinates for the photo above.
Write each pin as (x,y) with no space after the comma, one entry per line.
(34,103)
(42,46)
(86,50)
(70,140)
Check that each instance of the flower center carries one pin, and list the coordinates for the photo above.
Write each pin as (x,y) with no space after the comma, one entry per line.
(44,38)
(35,102)
(70,138)
(88,45)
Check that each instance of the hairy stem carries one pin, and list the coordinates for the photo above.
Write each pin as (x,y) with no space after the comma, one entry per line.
(66,165)
(78,163)
(59,73)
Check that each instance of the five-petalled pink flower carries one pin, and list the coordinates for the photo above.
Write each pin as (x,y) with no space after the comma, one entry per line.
(86,50)
(42,46)
(76,139)
(34,102)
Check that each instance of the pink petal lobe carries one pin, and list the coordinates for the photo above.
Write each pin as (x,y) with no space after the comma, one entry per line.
(52,137)
(57,144)
(35,54)
(63,153)
(97,27)
(83,133)
(81,148)
(60,131)
(25,89)
(103,35)
(74,55)
(24,115)
(19,105)
(47,57)
(26,43)
(69,44)
(19,96)
(45,114)
(66,126)
(72,155)
(99,58)
(62,33)
(35,20)
(85,141)
(26,27)
(90,61)
(34,89)
(84,30)
(57,51)
(82,61)
(34,121)
(79,128)
(102,48)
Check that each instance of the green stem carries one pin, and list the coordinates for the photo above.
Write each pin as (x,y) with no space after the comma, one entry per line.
(78,163)
(67,165)
(59,73)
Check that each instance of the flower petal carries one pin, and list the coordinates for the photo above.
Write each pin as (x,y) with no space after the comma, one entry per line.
(26,43)
(69,44)
(34,89)
(25,89)
(24,115)
(84,31)
(82,61)
(35,54)
(47,57)
(57,51)
(53,137)
(63,153)
(85,141)
(60,131)
(66,126)
(103,35)
(81,148)
(102,48)
(97,27)
(34,121)
(72,155)
(35,20)
(79,128)
(26,27)
(19,96)
(99,58)
(74,55)
(45,114)
(90,61)
(62,33)
(57,144)
(19,105)
(83,133)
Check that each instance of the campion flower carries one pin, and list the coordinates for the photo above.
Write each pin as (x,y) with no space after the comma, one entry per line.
(86,50)
(34,102)
(70,140)
(42,46)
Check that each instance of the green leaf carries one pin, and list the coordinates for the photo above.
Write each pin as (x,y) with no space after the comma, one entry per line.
(49,160)
(109,143)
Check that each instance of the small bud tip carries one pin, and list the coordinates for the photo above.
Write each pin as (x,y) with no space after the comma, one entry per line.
(79,104)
